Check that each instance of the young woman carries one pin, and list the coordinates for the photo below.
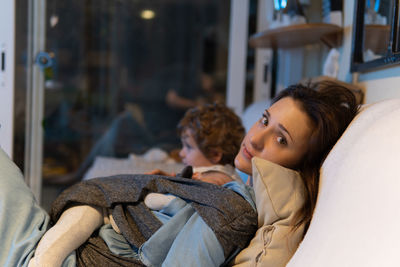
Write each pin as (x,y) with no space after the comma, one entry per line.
(296,132)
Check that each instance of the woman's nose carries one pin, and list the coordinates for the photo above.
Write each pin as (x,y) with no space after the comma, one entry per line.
(257,139)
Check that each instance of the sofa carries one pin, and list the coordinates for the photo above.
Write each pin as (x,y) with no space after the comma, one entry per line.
(356,221)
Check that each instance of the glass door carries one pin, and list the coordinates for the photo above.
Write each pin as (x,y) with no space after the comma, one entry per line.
(111,79)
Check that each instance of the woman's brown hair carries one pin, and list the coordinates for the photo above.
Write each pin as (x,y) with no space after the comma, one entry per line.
(331,107)
(215,128)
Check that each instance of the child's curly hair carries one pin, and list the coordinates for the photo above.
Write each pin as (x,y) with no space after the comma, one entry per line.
(215,128)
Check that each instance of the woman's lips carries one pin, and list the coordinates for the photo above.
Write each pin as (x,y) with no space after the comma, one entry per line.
(246,153)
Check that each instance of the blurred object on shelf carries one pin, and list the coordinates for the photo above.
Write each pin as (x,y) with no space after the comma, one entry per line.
(332,12)
(287,13)
(331,64)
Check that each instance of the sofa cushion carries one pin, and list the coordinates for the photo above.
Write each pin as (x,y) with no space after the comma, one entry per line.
(357,216)
(278,195)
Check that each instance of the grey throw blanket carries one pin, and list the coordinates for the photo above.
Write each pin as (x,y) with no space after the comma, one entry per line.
(229,215)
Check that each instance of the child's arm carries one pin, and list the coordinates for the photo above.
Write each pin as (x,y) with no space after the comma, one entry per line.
(158,201)
(73,228)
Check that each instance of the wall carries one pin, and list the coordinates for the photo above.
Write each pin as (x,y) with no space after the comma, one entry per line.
(378,85)
(310,57)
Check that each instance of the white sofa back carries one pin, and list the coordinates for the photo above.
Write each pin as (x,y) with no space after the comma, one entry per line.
(357,218)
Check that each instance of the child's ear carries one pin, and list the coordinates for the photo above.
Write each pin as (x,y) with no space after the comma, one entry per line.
(215,156)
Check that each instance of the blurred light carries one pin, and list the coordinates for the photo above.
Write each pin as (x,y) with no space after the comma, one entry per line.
(53,20)
(147,14)
(376,7)
(277,4)
(280,4)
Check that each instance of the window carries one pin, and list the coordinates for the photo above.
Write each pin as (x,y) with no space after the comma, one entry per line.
(118,70)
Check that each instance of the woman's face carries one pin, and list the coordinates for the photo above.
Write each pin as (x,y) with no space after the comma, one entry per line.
(282,136)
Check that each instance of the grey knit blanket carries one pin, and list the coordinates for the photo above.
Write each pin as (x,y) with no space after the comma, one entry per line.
(229,215)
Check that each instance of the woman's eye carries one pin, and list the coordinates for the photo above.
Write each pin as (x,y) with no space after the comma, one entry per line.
(282,140)
(264,120)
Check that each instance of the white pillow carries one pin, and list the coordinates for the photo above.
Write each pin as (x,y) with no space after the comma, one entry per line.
(357,217)
(279,194)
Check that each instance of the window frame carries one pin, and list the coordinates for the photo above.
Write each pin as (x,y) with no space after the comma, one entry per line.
(392,56)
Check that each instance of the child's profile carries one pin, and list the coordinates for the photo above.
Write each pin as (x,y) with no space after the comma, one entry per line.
(211,135)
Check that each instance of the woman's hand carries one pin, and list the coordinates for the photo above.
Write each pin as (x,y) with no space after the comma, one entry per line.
(212,177)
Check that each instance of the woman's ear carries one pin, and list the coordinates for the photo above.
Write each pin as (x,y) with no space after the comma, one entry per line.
(215,156)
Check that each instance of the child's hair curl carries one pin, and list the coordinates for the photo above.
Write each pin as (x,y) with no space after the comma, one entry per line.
(215,128)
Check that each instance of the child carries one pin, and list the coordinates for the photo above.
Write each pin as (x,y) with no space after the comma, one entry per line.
(211,135)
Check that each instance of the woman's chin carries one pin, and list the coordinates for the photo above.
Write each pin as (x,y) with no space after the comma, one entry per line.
(243,165)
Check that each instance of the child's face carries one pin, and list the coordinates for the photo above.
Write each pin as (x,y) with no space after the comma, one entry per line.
(190,152)
(282,136)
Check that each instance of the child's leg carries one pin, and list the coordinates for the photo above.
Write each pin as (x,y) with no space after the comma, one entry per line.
(74,227)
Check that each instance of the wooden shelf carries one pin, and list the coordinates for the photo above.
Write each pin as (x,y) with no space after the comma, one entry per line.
(298,35)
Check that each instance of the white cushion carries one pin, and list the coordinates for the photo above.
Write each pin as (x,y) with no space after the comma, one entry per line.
(357,217)
(278,194)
